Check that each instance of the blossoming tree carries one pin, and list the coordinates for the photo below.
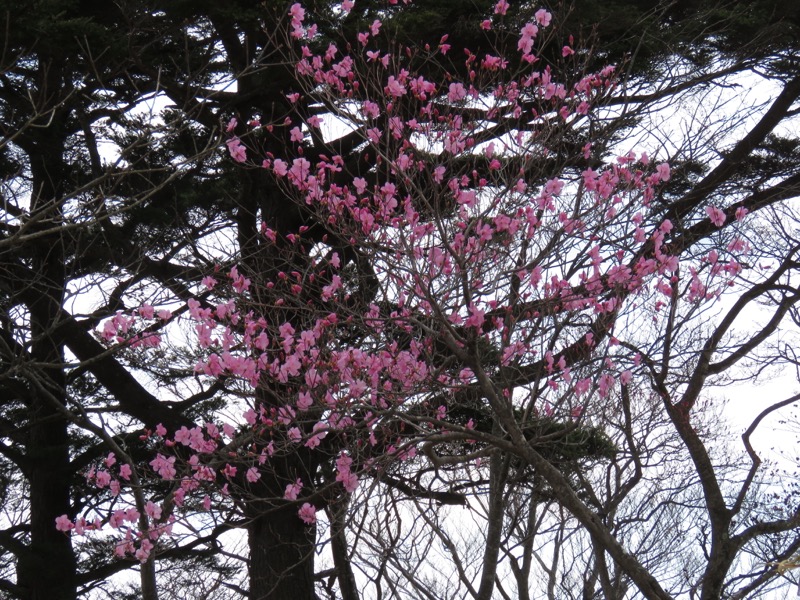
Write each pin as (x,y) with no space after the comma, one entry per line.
(438,284)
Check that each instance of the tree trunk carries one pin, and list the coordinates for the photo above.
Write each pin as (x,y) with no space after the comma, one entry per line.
(47,569)
(281,556)
(281,545)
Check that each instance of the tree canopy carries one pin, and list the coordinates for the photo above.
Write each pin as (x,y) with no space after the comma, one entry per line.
(396,299)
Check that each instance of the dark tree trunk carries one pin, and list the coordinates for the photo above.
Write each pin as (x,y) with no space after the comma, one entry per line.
(281,556)
(282,546)
(47,569)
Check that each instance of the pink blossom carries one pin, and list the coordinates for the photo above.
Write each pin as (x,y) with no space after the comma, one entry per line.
(605,384)
(143,553)
(297,12)
(299,171)
(183,436)
(292,490)
(343,69)
(501,7)
(280,167)
(213,366)
(240,282)
(737,245)
(304,401)
(116,519)
(81,526)
(421,88)
(343,462)
(102,479)
(252,475)
(394,88)
(466,197)
(553,187)
(307,513)
(164,466)
(663,171)
(543,17)
(237,151)
(329,290)
(716,215)
(132,515)
(153,510)
(349,480)
(371,110)
(527,35)
(109,331)
(63,523)
(123,549)
(457,92)
(321,431)
(476,317)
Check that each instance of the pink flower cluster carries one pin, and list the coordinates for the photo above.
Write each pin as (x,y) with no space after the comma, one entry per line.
(465,279)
